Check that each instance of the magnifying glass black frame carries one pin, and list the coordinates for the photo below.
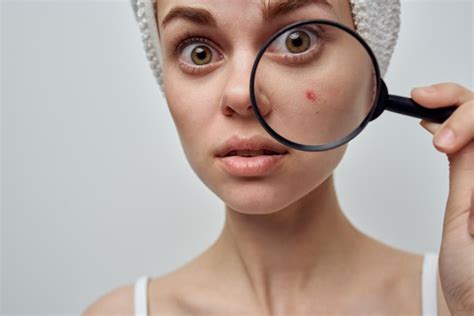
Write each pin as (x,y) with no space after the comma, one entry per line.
(383,100)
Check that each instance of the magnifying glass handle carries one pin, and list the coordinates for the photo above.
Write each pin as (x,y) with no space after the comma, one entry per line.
(407,106)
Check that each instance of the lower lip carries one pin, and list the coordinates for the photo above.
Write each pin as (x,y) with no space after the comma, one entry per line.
(251,166)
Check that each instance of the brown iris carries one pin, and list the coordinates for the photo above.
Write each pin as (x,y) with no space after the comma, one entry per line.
(201,55)
(298,42)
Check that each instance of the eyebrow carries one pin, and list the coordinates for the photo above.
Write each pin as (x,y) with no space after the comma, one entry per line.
(196,15)
(270,11)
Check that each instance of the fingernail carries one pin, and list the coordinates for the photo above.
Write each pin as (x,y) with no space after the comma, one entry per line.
(429,89)
(444,138)
(431,127)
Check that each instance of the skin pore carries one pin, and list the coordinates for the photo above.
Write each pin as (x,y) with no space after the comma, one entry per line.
(286,247)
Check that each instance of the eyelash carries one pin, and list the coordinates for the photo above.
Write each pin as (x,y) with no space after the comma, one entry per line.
(189,38)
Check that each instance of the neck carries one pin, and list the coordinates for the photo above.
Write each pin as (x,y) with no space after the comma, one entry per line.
(281,255)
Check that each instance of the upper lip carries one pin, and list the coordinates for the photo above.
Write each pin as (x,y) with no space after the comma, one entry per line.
(255,142)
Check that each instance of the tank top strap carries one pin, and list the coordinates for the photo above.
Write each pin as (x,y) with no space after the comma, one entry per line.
(429,279)
(140,296)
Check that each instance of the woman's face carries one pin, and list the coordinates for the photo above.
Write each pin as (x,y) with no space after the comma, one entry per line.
(208,48)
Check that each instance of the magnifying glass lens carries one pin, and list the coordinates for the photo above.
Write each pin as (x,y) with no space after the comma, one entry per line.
(314,84)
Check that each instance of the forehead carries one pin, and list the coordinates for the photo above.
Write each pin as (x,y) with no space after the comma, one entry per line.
(252,9)
(264,5)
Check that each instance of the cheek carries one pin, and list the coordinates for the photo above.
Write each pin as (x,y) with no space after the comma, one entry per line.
(194,108)
(190,105)
(315,167)
(188,111)
(344,100)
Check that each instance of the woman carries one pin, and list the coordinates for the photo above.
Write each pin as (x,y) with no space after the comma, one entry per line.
(286,247)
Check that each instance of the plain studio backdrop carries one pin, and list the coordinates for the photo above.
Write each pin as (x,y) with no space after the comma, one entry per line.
(96,188)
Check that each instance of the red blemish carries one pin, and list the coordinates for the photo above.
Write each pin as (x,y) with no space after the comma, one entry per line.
(311,95)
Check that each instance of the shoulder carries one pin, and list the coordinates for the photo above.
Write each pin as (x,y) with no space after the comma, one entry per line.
(408,280)
(116,302)
(164,297)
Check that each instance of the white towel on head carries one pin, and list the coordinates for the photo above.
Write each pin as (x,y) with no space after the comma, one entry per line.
(378,22)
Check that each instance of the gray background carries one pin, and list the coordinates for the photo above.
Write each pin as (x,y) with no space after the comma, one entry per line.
(96,189)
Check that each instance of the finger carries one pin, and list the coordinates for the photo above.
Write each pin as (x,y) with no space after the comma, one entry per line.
(431,127)
(441,95)
(457,130)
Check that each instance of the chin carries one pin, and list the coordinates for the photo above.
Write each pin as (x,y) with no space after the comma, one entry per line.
(255,208)
(260,197)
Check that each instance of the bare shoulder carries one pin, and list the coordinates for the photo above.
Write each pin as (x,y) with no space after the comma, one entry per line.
(193,289)
(117,302)
(405,283)
(174,293)
(162,299)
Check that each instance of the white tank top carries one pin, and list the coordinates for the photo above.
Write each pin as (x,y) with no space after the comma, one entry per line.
(428,284)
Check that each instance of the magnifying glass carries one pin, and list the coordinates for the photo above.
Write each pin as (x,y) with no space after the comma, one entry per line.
(316,84)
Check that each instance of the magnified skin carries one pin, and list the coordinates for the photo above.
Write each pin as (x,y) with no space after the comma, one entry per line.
(320,97)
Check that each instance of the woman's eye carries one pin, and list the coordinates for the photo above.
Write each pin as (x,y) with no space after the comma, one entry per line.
(199,54)
(295,41)
(298,42)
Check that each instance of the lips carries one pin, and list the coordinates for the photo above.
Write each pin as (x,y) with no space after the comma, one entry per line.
(251,153)
(251,157)
(250,147)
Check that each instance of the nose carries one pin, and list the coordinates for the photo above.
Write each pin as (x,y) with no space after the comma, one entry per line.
(236,92)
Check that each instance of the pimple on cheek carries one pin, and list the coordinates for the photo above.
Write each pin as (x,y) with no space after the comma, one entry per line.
(311,95)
